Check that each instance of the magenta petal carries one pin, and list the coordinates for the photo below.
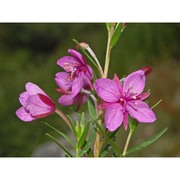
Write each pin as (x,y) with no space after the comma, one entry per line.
(140,111)
(68,63)
(107,90)
(23,98)
(134,83)
(143,96)
(77,55)
(33,89)
(104,105)
(66,100)
(64,80)
(116,79)
(38,108)
(77,84)
(24,115)
(113,116)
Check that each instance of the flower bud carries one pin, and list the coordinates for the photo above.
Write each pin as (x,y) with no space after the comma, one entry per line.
(83,45)
(146,69)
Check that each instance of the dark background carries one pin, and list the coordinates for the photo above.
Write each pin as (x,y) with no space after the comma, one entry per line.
(28,53)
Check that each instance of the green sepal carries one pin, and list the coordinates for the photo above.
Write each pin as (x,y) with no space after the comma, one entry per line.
(148,142)
(87,147)
(116,35)
(156,104)
(58,143)
(84,135)
(91,109)
(61,133)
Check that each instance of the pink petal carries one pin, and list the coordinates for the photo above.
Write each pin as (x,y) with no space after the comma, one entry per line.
(78,84)
(77,55)
(113,116)
(68,63)
(38,108)
(134,83)
(24,115)
(47,100)
(33,89)
(66,100)
(140,111)
(23,98)
(107,90)
(64,80)
(116,79)
(143,96)
(104,105)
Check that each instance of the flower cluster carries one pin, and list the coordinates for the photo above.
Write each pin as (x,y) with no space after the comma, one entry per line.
(111,103)
(120,97)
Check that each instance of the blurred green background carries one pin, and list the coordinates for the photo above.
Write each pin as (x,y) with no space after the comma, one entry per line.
(28,53)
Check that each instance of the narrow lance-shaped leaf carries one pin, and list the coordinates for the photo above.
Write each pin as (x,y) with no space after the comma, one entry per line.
(84,135)
(148,142)
(72,125)
(91,109)
(61,133)
(88,144)
(58,143)
(116,35)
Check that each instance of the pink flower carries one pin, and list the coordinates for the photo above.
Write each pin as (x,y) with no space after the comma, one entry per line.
(65,82)
(121,100)
(35,103)
(78,69)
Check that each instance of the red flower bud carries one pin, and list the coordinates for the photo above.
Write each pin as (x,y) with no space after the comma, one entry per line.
(146,69)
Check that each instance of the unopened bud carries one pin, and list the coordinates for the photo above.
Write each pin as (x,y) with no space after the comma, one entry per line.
(83,45)
(146,69)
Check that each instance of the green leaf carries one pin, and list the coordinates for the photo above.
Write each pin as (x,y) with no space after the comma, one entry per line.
(105,150)
(73,126)
(84,135)
(61,133)
(116,35)
(91,109)
(88,144)
(58,143)
(148,142)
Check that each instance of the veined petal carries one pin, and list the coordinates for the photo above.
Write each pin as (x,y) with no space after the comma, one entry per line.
(116,79)
(33,89)
(23,98)
(78,84)
(134,83)
(113,116)
(77,55)
(143,96)
(38,108)
(66,100)
(140,111)
(24,115)
(107,90)
(64,80)
(68,63)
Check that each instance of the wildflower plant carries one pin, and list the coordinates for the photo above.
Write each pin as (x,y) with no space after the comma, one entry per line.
(111,103)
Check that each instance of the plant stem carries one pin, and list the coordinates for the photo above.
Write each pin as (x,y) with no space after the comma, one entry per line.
(133,126)
(64,117)
(97,146)
(108,53)
(127,143)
